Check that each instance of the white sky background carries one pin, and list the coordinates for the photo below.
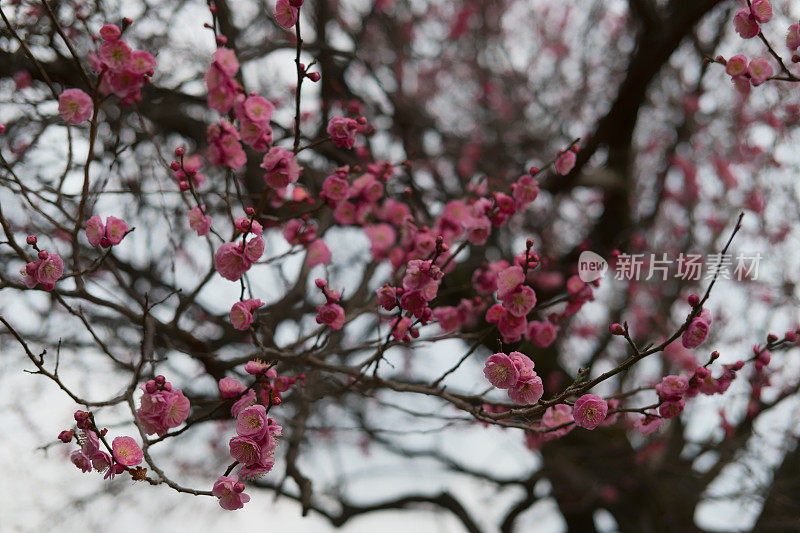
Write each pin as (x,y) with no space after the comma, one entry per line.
(44,490)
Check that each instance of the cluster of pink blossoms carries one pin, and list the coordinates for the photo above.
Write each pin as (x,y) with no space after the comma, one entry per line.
(518,299)
(253,112)
(746,21)
(512,285)
(255,442)
(187,171)
(743,74)
(224,147)
(558,420)
(125,452)
(420,285)
(109,234)
(124,71)
(515,373)
(233,259)
(45,271)
(220,82)
(358,202)
(162,407)
(254,445)
(303,232)
(270,384)
(330,313)
(674,389)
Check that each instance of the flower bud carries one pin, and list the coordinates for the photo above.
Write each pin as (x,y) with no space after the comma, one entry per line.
(31,239)
(616,329)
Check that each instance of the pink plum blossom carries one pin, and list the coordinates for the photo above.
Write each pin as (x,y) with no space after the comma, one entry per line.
(252,422)
(761,10)
(565,162)
(331,314)
(672,387)
(246,400)
(286,14)
(126,451)
(245,450)
(501,371)
(115,54)
(230,387)
(241,314)
(736,65)
(81,460)
(230,492)
(519,301)
(254,249)
(115,230)
(110,32)
(759,70)
(589,411)
(342,131)
(317,253)
(95,230)
(542,334)
(281,168)
(745,24)
(335,188)
(671,408)
(527,391)
(695,334)
(231,262)
(75,106)
(793,37)
(648,424)
(199,221)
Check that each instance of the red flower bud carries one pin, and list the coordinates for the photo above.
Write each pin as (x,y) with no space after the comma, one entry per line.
(616,329)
